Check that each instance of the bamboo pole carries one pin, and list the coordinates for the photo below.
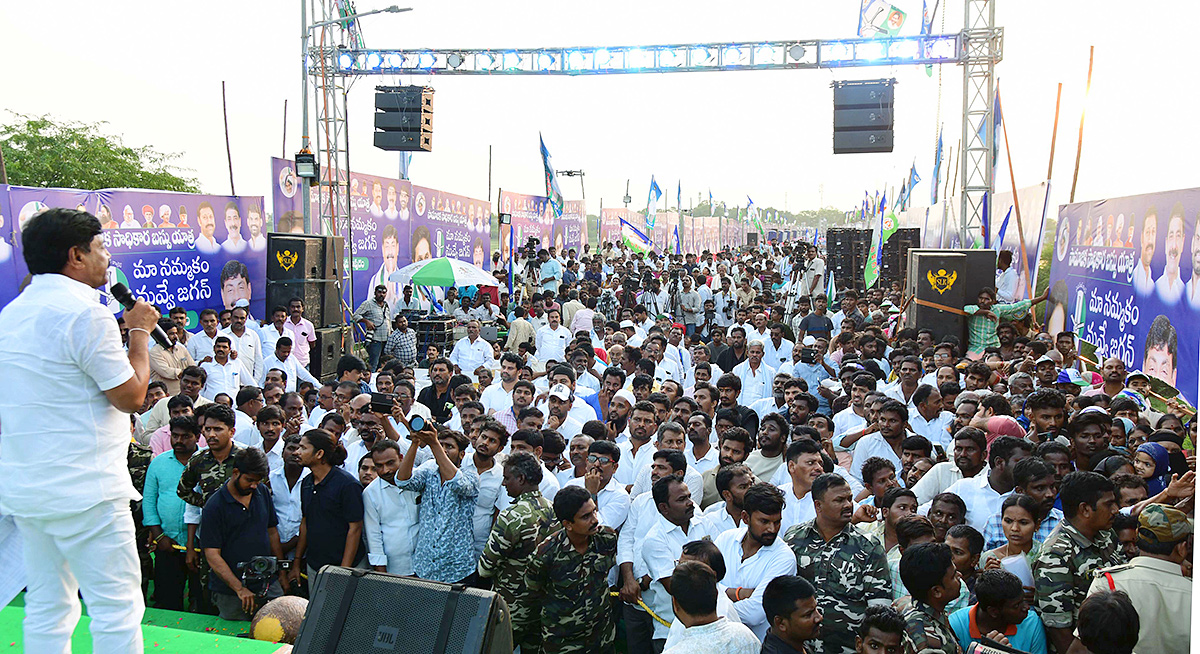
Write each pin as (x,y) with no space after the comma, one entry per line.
(1054,133)
(1012,178)
(228,152)
(1082,116)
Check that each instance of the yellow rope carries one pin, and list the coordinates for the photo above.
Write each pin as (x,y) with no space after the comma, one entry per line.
(647,610)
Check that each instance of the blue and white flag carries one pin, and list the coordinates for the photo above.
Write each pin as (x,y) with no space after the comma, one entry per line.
(913,178)
(634,239)
(1003,227)
(652,203)
(678,245)
(552,190)
(711,206)
(679,196)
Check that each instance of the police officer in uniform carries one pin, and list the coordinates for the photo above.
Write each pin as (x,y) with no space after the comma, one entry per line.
(1155,581)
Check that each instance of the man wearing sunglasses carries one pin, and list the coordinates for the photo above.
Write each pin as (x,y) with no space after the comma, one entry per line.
(611,498)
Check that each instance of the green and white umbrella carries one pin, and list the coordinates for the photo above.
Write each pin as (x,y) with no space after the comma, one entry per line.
(443,271)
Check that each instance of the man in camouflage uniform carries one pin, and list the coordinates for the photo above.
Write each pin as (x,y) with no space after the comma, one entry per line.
(514,537)
(568,576)
(139,462)
(848,569)
(1081,544)
(203,476)
(928,572)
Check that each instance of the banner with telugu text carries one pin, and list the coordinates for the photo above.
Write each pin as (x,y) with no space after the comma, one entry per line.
(1125,276)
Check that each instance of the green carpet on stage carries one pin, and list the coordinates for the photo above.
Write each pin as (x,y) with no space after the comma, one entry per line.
(163,631)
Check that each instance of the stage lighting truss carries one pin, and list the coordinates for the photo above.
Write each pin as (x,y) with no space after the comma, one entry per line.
(697,57)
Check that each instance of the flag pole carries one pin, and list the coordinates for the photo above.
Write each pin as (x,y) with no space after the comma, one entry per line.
(1054,133)
(1012,178)
(1082,116)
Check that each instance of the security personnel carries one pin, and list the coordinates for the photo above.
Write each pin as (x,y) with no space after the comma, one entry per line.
(1155,581)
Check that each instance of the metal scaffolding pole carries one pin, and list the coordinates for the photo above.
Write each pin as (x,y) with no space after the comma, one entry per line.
(981,41)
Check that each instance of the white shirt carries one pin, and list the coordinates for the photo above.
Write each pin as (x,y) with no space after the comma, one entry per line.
(767,405)
(896,392)
(287,503)
(390,524)
(725,636)
(935,482)
(868,446)
(468,356)
(695,483)
(612,502)
(844,422)
(755,384)
(643,514)
(488,501)
(782,477)
(200,345)
(293,369)
(719,520)
(66,446)
(552,343)
(1169,290)
(710,460)
(631,464)
(246,433)
(1006,285)
(495,399)
(663,546)
(795,510)
(249,349)
(227,379)
(270,336)
(936,430)
(812,270)
(777,356)
(982,502)
(755,572)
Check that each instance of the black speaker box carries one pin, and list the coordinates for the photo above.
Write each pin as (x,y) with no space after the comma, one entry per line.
(861,141)
(938,277)
(874,118)
(332,343)
(863,93)
(304,256)
(404,141)
(357,611)
(322,299)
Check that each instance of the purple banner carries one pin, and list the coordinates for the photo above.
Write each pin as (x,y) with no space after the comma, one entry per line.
(8,253)
(570,229)
(171,249)
(1125,276)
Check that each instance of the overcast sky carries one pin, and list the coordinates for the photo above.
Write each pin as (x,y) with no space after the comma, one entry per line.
(153,71)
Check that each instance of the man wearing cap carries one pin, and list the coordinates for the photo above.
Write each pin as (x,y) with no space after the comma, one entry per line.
(1154,580)
(1071,383)
(1045,371)
(560,419)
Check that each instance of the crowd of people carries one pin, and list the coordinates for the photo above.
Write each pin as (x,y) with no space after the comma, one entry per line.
(691,453)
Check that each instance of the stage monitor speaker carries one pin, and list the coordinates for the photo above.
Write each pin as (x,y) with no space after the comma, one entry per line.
(322,302)
(304,256)
(355,611)
(863,116)
(331,344)
(938,279)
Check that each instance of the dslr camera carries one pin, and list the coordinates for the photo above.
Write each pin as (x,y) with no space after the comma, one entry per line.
(260,570)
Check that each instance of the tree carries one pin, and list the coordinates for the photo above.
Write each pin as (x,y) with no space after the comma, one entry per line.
(41,151)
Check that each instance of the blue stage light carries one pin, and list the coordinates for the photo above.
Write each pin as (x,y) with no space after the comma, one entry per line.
(870,51)
(426,60)
(732,55)
(511,60)
(374,61)
(603,59)
(639,58)
(944,48)
(764,54)
(701,56)
(903,50)
(393,60)
(836,52)
(545,61)
(576,60)
(345,61)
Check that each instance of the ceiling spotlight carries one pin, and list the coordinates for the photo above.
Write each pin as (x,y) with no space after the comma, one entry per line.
(454,59)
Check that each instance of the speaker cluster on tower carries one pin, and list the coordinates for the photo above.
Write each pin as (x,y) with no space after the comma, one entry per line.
(863,116)
(404,118)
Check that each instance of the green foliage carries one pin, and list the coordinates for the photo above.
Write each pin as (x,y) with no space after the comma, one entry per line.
(41,151)
(805,218)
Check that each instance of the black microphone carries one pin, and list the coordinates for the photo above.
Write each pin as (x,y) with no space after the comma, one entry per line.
(125,297)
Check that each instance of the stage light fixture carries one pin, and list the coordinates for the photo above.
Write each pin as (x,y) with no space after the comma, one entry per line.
(869,51)
(701,56)
(512,60)
(374,61)
(576,60)
(345,61)
(903,50)
(764,54)
(603,59)
(639,58)
(454,59)
(668,57)
(837,52)
(796,52)
(732,54)
(545,61)
(426,60)
(944,48)
(393,60)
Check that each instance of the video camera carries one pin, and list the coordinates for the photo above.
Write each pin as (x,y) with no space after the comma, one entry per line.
(259,571)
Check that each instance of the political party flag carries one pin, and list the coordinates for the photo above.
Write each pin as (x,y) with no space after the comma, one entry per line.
(937,170)
(652,203)
(871,270)
(1003,226)
(634,239)
(913,179)
(830,288)
(552,191)
(678,246)
(873,17)
(679,196)
(711,206)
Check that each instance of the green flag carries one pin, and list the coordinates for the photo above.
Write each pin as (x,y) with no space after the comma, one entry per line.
(887,227)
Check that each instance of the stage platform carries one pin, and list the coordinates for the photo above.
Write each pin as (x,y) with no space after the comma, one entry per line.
(163,631)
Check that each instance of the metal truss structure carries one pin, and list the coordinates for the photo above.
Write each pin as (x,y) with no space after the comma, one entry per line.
(337,56)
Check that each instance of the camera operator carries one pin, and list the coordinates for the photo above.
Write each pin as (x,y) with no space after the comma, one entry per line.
(237,525)
(724,302)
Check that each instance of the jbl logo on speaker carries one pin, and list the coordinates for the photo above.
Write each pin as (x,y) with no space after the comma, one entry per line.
(385,637)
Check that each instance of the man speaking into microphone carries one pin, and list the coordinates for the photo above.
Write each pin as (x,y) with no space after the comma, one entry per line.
(66,390)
